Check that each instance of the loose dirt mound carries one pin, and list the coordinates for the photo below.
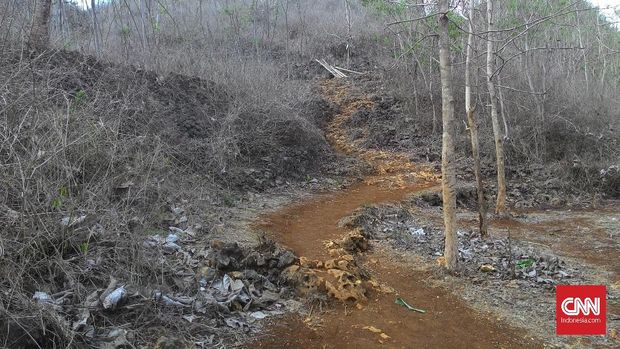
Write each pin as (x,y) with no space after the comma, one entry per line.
(208,128)
(98,159)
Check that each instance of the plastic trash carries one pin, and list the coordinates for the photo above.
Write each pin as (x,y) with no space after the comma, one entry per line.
(402,302)
(115,297)
(42,297)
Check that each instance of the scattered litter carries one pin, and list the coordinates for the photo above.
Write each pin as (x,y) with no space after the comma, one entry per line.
(116,338)
(168,244)
(402,302)
(174,301)
(72,221)
(176,230)
(258,315)
(42,297)
(525,263)
(190,318)
(171,247)
(235,323)
(115,298)
(82,320)
(417,232)
(172,238)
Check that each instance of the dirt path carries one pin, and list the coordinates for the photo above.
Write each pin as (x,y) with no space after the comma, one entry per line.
(305,228)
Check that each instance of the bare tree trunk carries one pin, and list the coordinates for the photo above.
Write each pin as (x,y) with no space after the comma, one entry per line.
(500,206)
(448,176)
(347,7)
(600,50)
(61,18)
(470,108)
(502,108)
(288,60)
(540,107)
(143,21)
(430,92)
(583,50)
(255,26)
(93,9)
(40,32)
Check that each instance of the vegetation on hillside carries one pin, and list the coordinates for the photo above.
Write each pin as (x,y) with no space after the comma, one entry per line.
(112,116)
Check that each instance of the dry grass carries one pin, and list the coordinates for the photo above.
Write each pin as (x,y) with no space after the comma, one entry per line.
(119,146)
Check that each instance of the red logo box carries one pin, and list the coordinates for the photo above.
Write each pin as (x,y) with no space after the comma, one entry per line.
(580,310)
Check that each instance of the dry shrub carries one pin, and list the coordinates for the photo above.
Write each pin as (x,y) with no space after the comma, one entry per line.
(119,144)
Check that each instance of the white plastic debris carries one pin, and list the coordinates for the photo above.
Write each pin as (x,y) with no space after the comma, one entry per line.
(171,247)
(71,221)
(176,230)
(42,297)
(259,315)
(115,297)
(169,243)
(417,232)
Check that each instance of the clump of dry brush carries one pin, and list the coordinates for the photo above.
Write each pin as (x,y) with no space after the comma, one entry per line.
(92,157)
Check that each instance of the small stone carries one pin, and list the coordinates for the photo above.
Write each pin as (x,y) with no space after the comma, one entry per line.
(330,264)
(306,263)
(487,268)
(372,329)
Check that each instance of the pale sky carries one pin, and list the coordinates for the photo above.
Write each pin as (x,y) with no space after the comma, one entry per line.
(612,11)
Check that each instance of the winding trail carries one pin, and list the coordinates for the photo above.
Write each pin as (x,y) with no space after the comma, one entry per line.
(305,227)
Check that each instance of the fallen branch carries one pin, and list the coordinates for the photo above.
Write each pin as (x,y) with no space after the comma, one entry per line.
(350,71)
(335,72)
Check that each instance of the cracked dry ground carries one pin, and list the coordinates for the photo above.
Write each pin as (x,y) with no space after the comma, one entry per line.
(337,262)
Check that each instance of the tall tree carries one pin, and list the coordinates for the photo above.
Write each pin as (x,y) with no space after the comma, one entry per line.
(93,9)
(39,32)
(347,8)
(500,206)
(470,109)
(448,176)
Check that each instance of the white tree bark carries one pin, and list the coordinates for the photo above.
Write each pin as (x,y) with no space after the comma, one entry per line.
(473,127)
(348,18)
(448,176)
(500,206)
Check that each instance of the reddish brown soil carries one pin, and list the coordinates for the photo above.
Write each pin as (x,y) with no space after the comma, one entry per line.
(304,227)
(574,236)
(448,323)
